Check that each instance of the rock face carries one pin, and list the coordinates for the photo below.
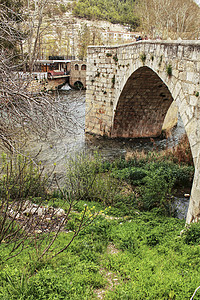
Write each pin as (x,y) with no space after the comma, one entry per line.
(131,87)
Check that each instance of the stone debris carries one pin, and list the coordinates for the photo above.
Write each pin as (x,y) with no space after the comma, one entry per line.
(37,218)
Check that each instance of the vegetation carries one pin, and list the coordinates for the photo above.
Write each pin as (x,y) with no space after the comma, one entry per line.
(110,10)
(143,58)
(119,234)
(87,36)
(168,19)
(169,70)
(125,258)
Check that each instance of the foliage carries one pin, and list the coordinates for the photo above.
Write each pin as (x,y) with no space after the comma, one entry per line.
(151,262)
(21,178)
(157,191)
(113,11)
(133,175)
(113,81)
(83,181)
(87,36)
(192,234)
(153,181)
(115,58)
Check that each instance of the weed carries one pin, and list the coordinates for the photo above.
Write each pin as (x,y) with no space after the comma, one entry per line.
(143,58)
(108,54)
(146,241)
(115,58)
(169,70)
(97,74)
(192,234)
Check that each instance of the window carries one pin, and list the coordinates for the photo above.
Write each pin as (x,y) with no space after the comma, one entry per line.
(83,67)
(76,67)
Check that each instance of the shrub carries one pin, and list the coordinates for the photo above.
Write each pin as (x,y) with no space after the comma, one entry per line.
(84,180)
(24,224)
(133,175)
(21,178)
(156,191)
(192,234)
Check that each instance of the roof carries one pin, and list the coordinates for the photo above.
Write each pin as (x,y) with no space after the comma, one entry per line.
(48,61)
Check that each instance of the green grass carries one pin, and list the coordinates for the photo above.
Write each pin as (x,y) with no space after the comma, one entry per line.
(130,251)
(152,262)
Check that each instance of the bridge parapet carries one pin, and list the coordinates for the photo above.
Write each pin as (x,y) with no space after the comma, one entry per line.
(130,88)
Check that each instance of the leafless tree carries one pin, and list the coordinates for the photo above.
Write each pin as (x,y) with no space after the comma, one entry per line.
(24,110)
(166,18)
(24,107)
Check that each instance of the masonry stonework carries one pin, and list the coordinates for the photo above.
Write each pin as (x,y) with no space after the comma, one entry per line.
(130,88)
(77,73)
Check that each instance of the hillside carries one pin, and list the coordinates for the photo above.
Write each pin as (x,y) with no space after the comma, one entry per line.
(65,34)
(115,11)
(68,27)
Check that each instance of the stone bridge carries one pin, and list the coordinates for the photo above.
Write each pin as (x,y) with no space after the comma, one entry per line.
(131,87)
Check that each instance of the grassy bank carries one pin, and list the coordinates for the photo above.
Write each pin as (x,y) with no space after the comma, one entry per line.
(132,248)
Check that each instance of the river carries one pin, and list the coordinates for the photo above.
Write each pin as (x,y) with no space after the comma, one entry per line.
(57,149)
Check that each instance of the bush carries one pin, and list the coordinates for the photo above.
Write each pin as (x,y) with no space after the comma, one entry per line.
(134,175)
(20,178)
(157,190)
(84,180)
(192,234)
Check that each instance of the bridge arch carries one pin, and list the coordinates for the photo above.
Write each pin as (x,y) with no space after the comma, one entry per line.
(142,105)
(78,85)
(113,74)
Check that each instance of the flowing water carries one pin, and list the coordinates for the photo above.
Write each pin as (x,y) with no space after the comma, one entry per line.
(56,149)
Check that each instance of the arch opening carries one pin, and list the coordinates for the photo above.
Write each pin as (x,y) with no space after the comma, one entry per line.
(78,85)
(142,106)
